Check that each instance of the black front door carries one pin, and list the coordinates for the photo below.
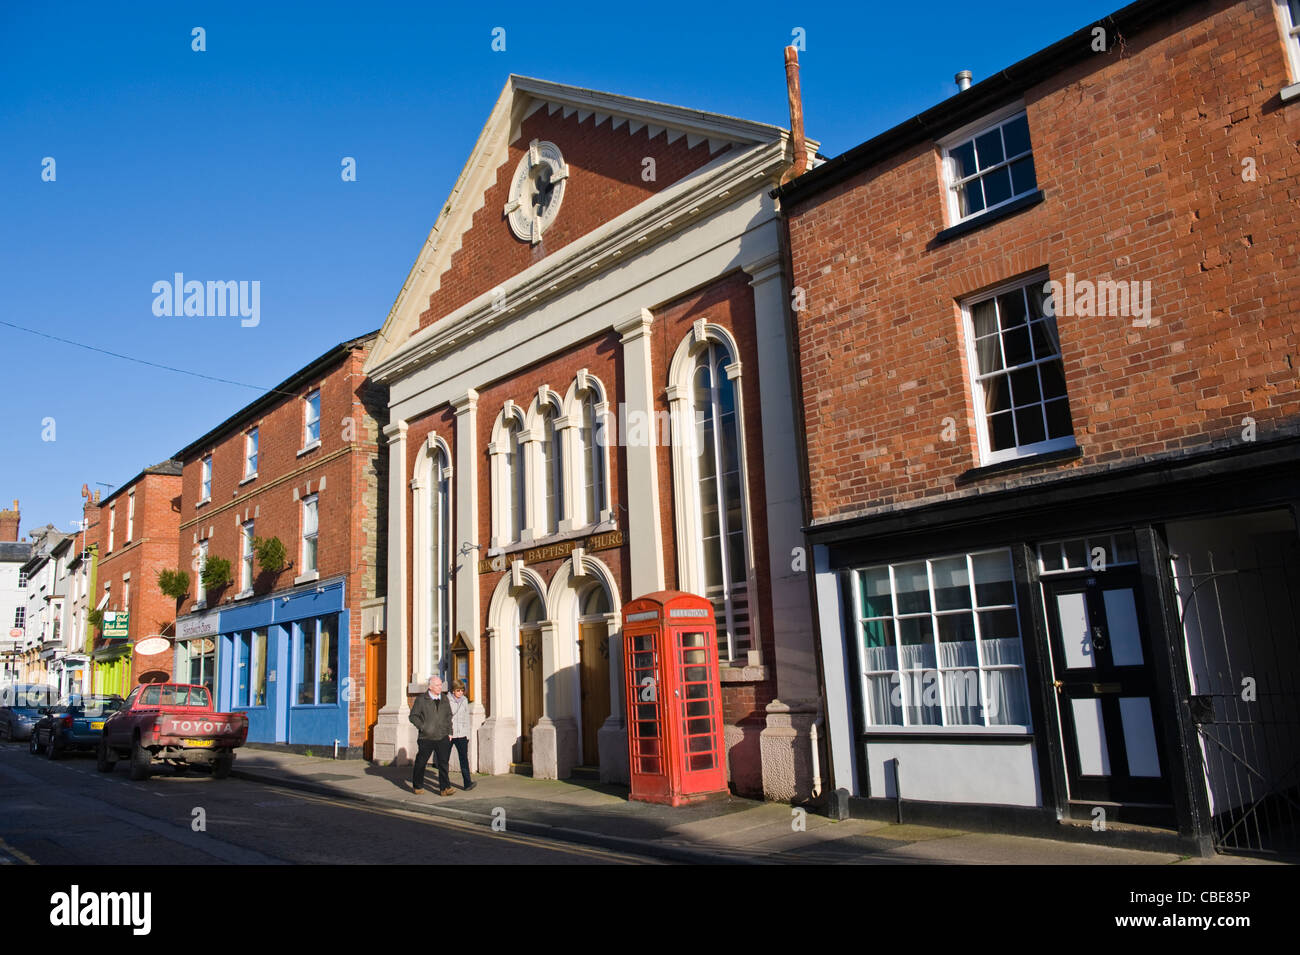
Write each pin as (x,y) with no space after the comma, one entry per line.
(1106,695)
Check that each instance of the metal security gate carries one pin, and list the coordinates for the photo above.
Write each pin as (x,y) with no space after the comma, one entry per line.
(1244,656)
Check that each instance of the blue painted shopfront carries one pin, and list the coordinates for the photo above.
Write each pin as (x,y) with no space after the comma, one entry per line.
(283,660)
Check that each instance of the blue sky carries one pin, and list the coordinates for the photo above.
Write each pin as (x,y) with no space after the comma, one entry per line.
(225,165)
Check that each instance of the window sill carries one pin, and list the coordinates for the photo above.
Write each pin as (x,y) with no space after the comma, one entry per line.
(989,217)
(926,734)
(741,674)
(311,447)
(251,477)
(243,594)
(1290,93)
(198,504)
(307,577)
(1018,464)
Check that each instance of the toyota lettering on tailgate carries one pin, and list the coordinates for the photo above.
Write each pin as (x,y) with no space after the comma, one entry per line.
(178,727)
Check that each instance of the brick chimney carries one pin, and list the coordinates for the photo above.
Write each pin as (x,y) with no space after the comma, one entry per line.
(9,524)
(90,514)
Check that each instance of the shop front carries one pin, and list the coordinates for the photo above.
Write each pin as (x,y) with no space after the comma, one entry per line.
(112,669)
(278,660)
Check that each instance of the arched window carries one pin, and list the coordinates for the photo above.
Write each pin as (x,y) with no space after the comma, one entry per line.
(710,483)
(552,470)
(440,558)
(514,488)
(592,451)
(595,602)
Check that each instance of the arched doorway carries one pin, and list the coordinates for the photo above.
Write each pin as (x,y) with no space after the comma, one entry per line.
(593,667)
(531,701)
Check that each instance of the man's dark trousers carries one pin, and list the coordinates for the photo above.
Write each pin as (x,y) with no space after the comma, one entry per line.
(441,750)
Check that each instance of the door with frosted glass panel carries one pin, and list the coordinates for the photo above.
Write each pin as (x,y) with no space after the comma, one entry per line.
(1101,658)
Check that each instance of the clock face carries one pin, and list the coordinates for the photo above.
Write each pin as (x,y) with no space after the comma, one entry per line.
(536,191)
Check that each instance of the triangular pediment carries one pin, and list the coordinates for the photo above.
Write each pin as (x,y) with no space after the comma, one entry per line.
(607,140)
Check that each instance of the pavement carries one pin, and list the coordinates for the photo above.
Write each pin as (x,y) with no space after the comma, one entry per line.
(724,830)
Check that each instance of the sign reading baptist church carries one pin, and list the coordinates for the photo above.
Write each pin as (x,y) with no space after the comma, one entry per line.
(552,551)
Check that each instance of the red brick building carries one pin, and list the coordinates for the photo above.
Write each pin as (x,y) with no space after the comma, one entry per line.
(1048,369)
(129,538)
(605,273)
(285,496)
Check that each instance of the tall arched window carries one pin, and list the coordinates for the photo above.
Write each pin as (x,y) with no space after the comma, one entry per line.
(514,476)
(552,470)
(591,438)
(710,483)
(440,558)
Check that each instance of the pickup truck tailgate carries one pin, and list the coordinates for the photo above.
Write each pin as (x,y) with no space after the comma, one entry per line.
(225,726)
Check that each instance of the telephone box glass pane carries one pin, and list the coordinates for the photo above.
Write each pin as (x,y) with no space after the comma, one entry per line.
(702,761)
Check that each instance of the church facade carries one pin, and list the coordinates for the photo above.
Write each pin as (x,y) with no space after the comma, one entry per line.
(591,400)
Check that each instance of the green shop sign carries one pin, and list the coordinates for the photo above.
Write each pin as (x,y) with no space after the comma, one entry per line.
(116,624)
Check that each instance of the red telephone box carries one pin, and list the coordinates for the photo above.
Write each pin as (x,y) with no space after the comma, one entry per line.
(674,698)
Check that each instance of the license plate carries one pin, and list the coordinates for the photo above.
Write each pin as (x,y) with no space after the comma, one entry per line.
(198,743)
(97,726)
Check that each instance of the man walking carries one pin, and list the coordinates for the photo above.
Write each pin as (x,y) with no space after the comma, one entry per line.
(431,715)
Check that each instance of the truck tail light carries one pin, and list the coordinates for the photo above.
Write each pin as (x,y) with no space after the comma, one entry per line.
(67,722)
(157,725)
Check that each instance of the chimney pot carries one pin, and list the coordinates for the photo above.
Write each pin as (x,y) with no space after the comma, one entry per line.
(963,80)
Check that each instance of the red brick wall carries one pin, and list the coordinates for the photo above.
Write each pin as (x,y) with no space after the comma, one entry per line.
(152,547)
(605,168)
(1139,153)
(348,510)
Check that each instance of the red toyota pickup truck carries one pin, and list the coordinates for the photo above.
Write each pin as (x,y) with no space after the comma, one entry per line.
(171,723)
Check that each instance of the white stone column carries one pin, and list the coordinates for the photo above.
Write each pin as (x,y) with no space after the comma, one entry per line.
(785,744)
(645,536)
(500,730)
(394,734)
(555,737)
(420,609)
(611,738)
(465,595)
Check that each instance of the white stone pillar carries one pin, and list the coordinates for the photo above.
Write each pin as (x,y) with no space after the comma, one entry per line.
(611,738)
(785,744)
(644,533)
(465,595)
(394,734)
(555,737)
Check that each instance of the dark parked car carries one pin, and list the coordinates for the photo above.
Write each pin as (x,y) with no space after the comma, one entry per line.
(20,705)
(74,723)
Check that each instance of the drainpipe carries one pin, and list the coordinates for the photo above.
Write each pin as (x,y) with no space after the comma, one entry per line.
(800,164)
(816,757)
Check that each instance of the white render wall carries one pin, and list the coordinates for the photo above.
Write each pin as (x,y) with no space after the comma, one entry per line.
(1000,774)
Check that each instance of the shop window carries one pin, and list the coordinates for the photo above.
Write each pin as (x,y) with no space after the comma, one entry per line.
(250,687)
(939,642)
(319,662)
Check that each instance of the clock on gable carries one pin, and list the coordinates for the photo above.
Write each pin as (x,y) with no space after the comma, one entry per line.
(536,191)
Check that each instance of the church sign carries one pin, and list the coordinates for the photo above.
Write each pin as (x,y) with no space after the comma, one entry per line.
(537,555)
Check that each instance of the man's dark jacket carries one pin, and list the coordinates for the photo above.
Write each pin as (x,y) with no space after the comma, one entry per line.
(432,717)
